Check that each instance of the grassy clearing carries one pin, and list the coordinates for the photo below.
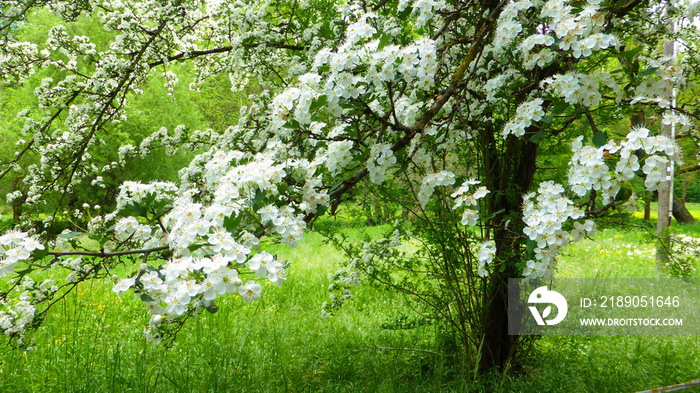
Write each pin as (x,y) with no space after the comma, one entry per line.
(693,208)
(93,342)
(611,363)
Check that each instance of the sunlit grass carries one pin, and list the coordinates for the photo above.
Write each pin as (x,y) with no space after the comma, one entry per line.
(693,209)
(93,341)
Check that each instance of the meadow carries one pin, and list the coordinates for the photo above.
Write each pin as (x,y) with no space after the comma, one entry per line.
(93,342)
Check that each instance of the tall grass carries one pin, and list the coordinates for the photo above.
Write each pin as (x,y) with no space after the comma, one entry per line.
(93,341)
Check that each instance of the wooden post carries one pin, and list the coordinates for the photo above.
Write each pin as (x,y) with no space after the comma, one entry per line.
(665,204)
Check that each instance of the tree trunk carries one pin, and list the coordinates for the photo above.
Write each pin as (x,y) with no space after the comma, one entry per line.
(680,213)
(18,204)
(509,176)
(17,209)
(647,209)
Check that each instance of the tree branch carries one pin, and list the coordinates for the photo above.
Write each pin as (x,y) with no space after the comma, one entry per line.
(107,254)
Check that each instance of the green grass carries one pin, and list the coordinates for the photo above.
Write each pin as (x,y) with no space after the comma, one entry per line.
(693,208)
(610,363)
(93,343)
(93,340)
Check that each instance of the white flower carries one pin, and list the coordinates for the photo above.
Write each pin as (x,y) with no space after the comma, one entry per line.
(16,254)
(268,213)
(250,291)
(13,236)
(123,285)
(487,252)
(470,217)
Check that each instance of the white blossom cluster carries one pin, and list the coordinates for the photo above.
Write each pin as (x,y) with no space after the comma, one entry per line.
(464,196)
(432,180)
(545,214)
(14,318)
(380,159)
(575,88)
(487,251)
(339,155)
(135,192)
(356,87)
(657,86)
(16,246)
(685,255)
(424,10)
(208,253)
(527,113)
(564,29)
(580,32)
(589,169)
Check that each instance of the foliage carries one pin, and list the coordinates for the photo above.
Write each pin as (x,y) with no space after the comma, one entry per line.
(685,252)
(150,111)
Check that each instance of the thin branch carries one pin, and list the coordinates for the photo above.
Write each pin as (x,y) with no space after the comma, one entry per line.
(691,168)
(107,254)
(197,53)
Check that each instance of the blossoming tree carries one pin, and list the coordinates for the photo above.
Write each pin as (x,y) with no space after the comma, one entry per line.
(441,105)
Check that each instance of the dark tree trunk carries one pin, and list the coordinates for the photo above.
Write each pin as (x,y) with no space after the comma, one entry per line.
(511,175)
(18,204)
(17,208)
(647,209)
(680,213)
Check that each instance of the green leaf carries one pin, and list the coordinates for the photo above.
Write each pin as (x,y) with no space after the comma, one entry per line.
(259,196)
(559,106)
(383,41)
(600,138)
(293,124)
(630,54)
(146,298)
(101,240)
(635,67)
(232,222)
(195,247)
(360,68)
(494,214)
(69,235)
(402,169)
(321,210)
(318,103)
(136,210)
(648,71)
(40,254)
(538,137)
(212,308)
(530,249)
(24,272)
